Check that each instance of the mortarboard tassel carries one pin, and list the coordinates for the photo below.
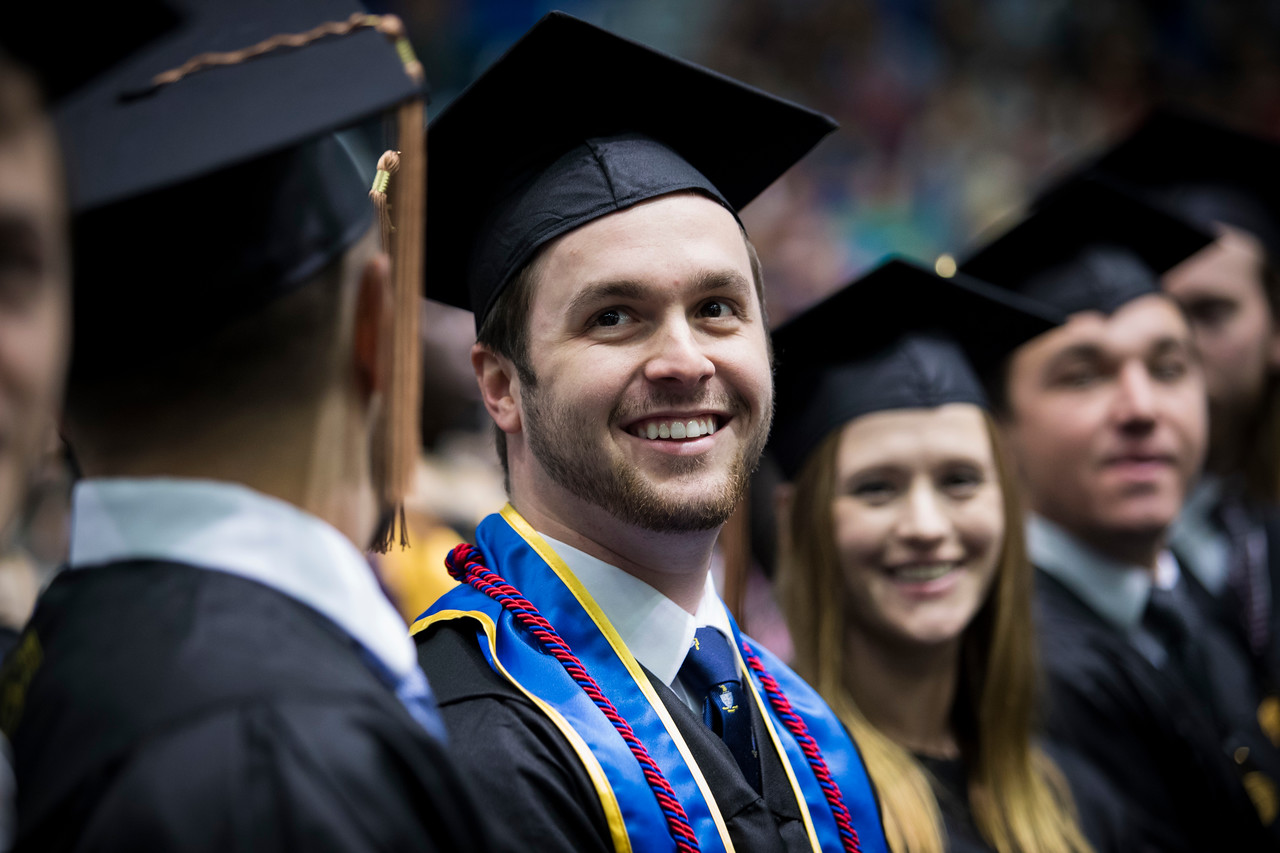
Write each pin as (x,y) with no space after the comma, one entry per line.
(401,206)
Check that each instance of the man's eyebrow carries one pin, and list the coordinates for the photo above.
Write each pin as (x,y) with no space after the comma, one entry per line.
(605,290)
(1168,344)
(720,280)
(627,289)
(1080,352)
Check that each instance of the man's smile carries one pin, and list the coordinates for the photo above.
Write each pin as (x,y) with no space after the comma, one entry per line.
(676,427)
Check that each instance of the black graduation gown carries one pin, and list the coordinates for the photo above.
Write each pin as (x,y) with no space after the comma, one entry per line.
(950,787)
(1226,608)
(1143,730)
(536,782)
(1270,660)
(1260,669)
(1102,819)
(159,707)
(1236,684)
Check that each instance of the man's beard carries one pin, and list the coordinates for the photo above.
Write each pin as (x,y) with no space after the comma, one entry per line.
(589,473)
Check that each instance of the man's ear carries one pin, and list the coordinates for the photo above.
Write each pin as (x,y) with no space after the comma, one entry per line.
(499,387)
(371,346)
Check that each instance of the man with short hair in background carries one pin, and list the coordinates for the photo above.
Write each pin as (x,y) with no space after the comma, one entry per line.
(1105,417)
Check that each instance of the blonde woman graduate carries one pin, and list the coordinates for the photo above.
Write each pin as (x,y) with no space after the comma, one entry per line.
(905,577)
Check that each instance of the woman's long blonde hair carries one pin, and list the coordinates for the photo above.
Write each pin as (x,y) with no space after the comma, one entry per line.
(1020,801)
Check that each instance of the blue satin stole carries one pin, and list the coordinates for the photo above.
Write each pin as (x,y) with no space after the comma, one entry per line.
(515,551)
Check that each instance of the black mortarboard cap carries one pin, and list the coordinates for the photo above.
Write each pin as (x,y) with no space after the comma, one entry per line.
(1086,246)
(88,38)
(200,200)
(900,337)
(1203,171)
(574,123)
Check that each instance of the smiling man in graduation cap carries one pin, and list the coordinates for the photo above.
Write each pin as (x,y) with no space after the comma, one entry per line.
(584,198)
(1105,418)
(217,668)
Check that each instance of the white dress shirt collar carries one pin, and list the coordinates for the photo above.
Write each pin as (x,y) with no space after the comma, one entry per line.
(658,631)
(1199,538)
(1116,591)
(230,528)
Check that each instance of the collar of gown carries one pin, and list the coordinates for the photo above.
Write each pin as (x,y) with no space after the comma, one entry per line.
(231,528)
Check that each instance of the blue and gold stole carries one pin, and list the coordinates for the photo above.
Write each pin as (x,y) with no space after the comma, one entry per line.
(523,558)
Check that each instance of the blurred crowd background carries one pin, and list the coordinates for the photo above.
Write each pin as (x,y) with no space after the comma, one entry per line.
(952,113)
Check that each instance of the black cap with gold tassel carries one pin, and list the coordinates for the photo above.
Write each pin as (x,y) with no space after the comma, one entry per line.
(234,150)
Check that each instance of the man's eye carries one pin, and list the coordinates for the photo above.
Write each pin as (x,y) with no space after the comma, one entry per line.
(1080,376)
(21,277)
(716,308)
(1211,312)
(1169,370)
(612,317)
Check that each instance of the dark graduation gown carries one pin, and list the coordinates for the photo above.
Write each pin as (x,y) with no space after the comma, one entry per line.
(160,707)
(1225,608)
(950,787)
(1244,691)
(1271,658)
(1102,817)
(1238,689)
(1143,729)
(536,781)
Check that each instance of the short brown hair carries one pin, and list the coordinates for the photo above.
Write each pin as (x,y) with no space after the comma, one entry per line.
(279,355)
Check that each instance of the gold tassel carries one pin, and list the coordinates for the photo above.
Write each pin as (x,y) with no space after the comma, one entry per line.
(399,196)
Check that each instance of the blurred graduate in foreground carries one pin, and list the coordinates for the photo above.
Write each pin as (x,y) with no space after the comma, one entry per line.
(217,668)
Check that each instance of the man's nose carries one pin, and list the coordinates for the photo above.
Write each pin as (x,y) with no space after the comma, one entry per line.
(678,356)
(1135,403)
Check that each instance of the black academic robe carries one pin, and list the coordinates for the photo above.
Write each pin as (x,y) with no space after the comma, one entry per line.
(1225,610)
(1143,729)
(1236,685)
(950,788)
(1269,661)
(159,707)
(536,782)
(1102,817)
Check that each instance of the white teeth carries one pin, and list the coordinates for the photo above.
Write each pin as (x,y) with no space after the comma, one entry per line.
(922,574)
(677,429)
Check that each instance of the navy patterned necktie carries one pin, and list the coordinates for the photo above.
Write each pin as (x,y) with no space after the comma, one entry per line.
(1171,617)
(710,671)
